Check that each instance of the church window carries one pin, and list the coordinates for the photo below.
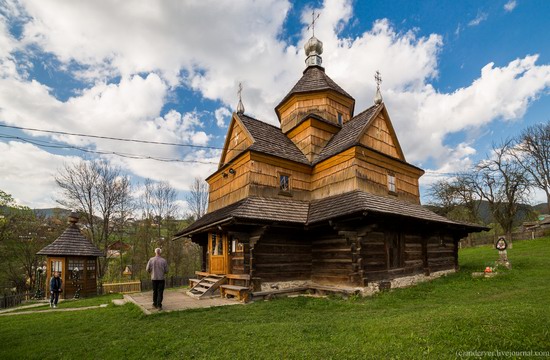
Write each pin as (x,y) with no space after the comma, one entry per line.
(340,119)
(284,182)
(391,183)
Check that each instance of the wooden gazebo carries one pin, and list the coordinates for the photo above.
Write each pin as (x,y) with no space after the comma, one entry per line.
(75,258)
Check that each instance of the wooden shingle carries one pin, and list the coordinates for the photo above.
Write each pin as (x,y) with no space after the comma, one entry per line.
(71,243)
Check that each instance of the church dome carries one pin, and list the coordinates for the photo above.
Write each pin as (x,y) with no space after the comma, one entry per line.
(313,46)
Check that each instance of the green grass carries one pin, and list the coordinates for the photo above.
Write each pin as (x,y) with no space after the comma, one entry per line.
(510,312)
(70,303)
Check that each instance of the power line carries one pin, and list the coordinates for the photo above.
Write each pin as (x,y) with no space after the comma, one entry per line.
(145,157)
(46,144)
(111,138)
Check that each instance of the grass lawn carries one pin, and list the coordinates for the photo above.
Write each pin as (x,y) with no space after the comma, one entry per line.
(70,303)
(510,312)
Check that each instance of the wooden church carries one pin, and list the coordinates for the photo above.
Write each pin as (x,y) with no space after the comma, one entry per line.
(326,198)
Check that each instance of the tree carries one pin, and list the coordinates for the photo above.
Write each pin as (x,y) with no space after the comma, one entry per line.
(158,203)
(533,154)
(503,183)
(99,192)
(197,199)
(22,235)
(455,198)
(164,202)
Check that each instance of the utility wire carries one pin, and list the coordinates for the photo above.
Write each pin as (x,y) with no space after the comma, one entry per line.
(46,144)
(111,138)
(133,156)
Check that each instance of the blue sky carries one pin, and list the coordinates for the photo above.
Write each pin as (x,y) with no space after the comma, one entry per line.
(458,76)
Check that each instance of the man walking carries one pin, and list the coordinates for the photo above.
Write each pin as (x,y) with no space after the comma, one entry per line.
(158,267)
(55,289)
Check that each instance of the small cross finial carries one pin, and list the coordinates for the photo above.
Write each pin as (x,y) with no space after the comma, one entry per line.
(378,95)
(378,78)
(240,106)
(313,20)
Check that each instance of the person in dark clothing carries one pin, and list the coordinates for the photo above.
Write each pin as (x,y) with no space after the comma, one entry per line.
(158,267)
(55,289)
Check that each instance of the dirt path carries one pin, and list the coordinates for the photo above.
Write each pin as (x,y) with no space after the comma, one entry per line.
(13,312)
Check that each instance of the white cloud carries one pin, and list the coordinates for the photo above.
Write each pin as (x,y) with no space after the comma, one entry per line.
(133,55)
(510,5)
(481,16)
(221,114)
(28,173)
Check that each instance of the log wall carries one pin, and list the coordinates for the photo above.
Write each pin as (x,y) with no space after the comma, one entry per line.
(282,256)
(420,254)
(442,252)
(332,259)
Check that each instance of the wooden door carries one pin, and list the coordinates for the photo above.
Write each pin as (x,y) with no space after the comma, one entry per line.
(218,251)
(56,264)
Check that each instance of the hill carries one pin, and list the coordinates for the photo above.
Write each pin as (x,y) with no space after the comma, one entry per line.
(526,212)
(52,212)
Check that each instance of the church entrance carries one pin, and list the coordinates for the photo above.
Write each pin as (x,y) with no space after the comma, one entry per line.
(218,252)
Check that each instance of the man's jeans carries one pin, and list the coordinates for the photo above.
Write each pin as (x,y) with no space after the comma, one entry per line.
(158,291)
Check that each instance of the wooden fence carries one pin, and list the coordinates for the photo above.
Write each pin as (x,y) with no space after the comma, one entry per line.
(11,300)
(123,287)
(480,239)
(140,285)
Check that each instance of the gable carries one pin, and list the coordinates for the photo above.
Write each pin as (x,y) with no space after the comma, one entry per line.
(237,140)
(379,135)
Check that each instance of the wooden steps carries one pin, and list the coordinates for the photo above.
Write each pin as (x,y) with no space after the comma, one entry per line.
(207,286)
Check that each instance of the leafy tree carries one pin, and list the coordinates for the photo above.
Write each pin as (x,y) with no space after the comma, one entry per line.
(22,235)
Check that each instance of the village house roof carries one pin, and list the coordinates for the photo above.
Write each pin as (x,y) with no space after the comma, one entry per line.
(71,243)
(316,211)
(314,79)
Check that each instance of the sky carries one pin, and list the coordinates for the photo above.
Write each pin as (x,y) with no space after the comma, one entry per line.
(458,77)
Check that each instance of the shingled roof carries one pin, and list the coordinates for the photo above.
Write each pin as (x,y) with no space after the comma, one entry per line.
(307,213)
(254,208)
(348,136)
(314,79)
(360,201)
(269,139)
(71,243)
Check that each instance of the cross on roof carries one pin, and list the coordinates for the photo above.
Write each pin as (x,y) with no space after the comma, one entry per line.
(313,20)
(378,78)
(240,106)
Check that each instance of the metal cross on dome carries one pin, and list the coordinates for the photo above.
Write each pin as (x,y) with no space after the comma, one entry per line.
(378,78)
(240,106)
(313,20)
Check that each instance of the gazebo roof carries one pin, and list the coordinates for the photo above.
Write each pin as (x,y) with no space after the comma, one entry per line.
(71,243)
